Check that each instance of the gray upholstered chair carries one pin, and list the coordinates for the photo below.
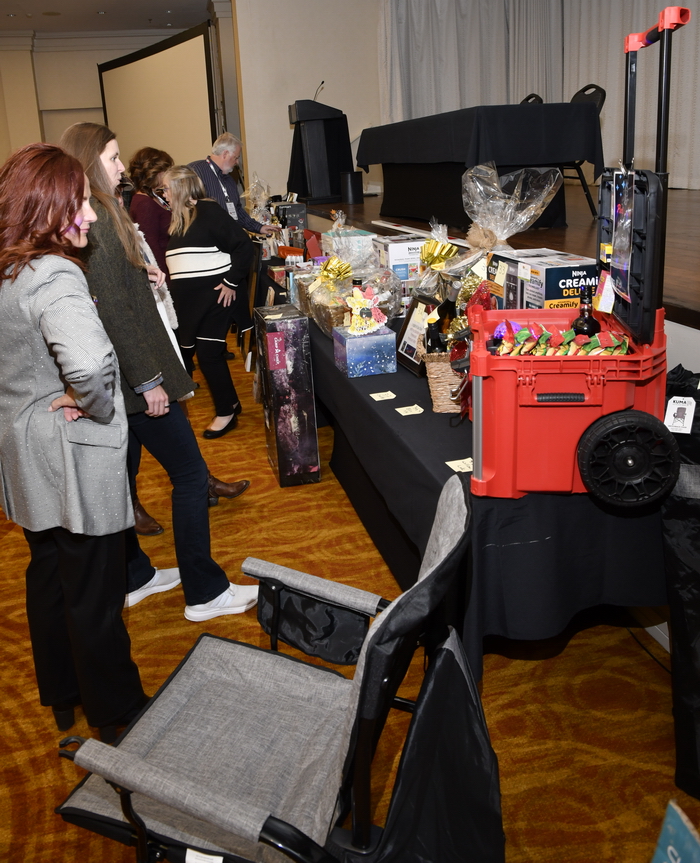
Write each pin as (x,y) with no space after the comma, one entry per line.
(246,754)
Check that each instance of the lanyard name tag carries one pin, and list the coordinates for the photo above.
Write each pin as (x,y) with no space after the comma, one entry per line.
(231,207)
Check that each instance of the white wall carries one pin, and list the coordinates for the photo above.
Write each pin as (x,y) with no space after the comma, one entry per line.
(682,346)
(284,52)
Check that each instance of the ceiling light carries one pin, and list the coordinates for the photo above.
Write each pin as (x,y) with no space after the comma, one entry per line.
(10,14)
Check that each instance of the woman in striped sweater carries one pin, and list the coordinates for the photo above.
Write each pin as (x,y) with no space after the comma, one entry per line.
(208,257)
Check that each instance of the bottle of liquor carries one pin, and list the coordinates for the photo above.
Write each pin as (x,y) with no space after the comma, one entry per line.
(585,324)
(434,340)
(447,310)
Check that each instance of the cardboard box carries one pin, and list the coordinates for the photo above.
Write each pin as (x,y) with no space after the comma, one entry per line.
(540,278)
(293,215)
(401,253)
(359,356)
(287,389)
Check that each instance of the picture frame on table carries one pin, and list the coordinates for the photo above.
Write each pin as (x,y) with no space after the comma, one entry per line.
(412,334)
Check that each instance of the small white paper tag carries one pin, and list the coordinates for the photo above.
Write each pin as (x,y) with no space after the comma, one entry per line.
(382,397)
(192,856)
(410,410)
(679,414)
(462,465)
(272,317)
(479,268)
(501,273)
(524,271)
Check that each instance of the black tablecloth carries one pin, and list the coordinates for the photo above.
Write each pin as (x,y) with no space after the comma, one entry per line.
(514,135)
(537,560)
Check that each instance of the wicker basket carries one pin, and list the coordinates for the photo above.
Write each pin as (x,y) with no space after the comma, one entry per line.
(441,380)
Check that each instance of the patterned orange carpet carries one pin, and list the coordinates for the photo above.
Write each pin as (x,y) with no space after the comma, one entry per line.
(584,737)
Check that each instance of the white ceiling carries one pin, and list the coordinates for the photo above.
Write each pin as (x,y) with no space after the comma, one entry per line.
(73,16)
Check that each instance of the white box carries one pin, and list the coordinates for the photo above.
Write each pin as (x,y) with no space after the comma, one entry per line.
(401,254)
(540,278)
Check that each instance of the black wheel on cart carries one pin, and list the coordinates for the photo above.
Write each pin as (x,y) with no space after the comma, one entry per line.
(628,459)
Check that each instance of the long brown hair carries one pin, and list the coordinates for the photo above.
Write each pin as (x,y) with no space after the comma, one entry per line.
(185,187)
(87,141)
(41,192)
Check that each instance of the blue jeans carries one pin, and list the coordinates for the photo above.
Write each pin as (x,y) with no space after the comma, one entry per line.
(171,441)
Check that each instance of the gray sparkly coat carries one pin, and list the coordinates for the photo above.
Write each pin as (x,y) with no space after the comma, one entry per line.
(55,473)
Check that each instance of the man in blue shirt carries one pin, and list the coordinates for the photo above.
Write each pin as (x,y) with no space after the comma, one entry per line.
(215,173)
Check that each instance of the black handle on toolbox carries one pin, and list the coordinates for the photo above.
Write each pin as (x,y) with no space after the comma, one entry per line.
(670,19)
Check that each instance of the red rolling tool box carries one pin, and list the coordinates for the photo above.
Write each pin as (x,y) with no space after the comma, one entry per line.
(590,423)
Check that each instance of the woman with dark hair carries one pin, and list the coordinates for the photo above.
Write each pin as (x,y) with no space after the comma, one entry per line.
(208,257)
(147,207)
(153,379)
(151,214)
(63,439)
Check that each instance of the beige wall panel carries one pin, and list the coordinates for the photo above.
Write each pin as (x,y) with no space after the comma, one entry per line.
(19,92)
(69,79)
(5,148)
(162,83)
(56,122)
(286,55)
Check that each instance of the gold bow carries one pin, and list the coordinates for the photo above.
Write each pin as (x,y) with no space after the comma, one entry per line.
(435,254)
(332,270)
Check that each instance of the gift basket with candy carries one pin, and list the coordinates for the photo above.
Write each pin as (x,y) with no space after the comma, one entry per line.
(554,411)
(498,207)
(324,294)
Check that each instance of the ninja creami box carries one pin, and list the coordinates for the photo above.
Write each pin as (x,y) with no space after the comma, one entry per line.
(540,278)
(287,389)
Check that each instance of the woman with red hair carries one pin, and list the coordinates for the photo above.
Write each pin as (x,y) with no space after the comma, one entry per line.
(63,438)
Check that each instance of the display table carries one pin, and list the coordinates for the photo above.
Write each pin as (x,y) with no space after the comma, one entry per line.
(423,159)
(536,561)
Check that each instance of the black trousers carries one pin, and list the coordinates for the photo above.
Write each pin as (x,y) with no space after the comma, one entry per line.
(204,325)
(82,651)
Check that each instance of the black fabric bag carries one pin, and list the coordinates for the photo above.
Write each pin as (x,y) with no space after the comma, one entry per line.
(446,802)
(681,523)
(313,625)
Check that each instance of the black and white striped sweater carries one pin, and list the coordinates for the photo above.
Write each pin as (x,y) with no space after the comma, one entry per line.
(213,250)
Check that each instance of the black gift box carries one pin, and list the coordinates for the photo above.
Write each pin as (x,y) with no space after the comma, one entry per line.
(287,390)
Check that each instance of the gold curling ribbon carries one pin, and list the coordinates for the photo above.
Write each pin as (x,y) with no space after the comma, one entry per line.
(332,270)
(435,254)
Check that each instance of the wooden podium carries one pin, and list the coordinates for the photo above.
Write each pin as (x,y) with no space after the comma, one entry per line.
(320,152)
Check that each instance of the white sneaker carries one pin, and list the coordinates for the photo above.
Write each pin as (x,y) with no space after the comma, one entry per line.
(236,599)
(164,579)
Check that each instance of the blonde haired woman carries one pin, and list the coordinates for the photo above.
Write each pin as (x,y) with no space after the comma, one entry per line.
(208,257)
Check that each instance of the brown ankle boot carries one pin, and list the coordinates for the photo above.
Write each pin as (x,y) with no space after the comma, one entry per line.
(218,488)
(145,524)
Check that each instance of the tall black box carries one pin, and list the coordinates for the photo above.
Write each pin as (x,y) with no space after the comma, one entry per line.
(287,390)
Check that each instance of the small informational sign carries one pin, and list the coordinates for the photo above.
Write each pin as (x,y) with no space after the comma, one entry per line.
(680,411)
(461,465)
(382,397)
(679,841)
(410,410)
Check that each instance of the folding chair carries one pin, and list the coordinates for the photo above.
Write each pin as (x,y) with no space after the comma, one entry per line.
(244,748)
(589,93)
(531,99)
